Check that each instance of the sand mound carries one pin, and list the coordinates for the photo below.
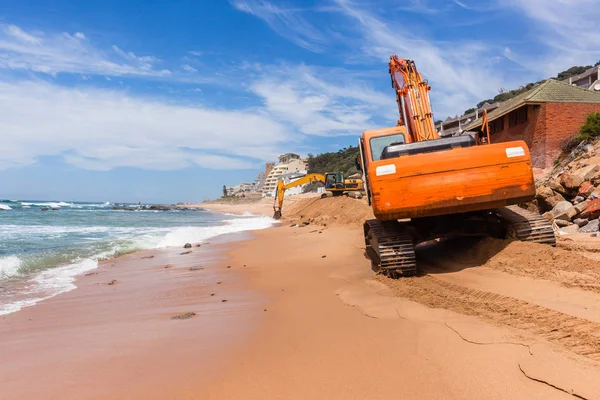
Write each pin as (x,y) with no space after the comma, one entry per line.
(537,261)
(329,211)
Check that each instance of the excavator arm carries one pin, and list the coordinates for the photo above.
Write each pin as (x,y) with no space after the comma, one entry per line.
(412,96)
(281,188)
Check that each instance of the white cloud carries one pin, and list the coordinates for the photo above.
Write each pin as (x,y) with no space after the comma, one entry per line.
(65,53)
(17,33)
(287,22)
(195,53)
(321,102)
(99,129)
(565,29)
(189,68)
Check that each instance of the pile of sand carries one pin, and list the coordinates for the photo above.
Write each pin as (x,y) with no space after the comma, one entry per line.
(537,261)
(329,211)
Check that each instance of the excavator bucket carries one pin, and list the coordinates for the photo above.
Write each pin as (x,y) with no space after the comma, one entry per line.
(277,214)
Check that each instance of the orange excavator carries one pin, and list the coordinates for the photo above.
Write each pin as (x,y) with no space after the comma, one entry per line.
(424,187)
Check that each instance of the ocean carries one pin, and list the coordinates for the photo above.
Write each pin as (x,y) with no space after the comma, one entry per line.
(41,252)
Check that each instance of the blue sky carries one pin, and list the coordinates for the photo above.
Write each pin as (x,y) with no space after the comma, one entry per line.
(165,101)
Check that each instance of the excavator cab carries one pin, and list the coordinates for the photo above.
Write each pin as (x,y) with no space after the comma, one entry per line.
(334,181)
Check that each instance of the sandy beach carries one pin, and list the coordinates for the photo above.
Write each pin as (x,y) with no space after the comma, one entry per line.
(306,318)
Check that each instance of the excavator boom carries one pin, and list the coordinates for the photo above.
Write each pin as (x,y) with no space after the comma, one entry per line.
(412,96)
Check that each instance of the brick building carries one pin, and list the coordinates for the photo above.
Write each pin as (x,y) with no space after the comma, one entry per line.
(545,117)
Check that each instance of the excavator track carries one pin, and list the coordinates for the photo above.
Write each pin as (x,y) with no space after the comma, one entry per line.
(390,248)
(527,226)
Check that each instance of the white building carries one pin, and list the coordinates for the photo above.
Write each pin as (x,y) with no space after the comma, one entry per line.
(289,178)
(288,163)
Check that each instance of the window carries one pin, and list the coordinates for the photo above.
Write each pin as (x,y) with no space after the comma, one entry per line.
(497,126)
(381,142)
(518,116)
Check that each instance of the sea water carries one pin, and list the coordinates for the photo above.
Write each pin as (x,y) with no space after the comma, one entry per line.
(41,252)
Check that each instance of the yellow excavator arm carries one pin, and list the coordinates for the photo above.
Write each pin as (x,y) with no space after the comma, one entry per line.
(281,188)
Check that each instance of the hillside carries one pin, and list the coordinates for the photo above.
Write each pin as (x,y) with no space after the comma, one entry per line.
(343,160)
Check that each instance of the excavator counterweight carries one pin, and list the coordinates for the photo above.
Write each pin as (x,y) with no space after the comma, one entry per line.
(440,186)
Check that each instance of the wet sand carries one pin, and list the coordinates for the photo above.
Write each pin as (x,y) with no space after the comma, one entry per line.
(305,319)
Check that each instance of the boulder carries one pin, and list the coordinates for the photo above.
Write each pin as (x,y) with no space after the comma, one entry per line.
(588,172)
(580,222)
(571,181)
(187,246)
(586,189)
(560,208)
(593,209)
(570,229)
(580,207)
(561,223)
(547,198)
(592,226)
(572,211)
(578,199)
(558,188)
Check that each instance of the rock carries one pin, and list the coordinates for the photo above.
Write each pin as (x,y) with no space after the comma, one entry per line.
(561,223)
(196,268)
(548,215)
(229,266)
(586,189)
(561,206)
(570,229)
(147,257)
(292,225)
(113,282)
(580,222)
(306,223)
(184,316)
(593,209)
(578,199)
(44,209)
(323,256)
(198,245)
(568,215)
(547,198)
(571,181)
(187,246)
(595,195)
(168,266)
(588,172)
(185,252)
(580,207)
(591,227)
(218,283)
(224,301)
(557,187)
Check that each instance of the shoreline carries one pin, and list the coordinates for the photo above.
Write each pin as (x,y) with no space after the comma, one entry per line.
(101,334)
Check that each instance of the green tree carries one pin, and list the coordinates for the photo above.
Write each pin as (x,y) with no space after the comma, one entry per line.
(341,161)
(224,191)
(572,72)
(469,111)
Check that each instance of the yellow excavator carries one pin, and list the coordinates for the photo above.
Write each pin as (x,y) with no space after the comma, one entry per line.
(334,182)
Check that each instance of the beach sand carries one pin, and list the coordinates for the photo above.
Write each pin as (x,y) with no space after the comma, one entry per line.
(305,318)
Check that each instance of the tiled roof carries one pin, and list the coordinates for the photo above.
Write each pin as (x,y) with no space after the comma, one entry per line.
(584,74)
(551,91)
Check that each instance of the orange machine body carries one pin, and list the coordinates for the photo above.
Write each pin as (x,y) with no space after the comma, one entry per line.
(456,180)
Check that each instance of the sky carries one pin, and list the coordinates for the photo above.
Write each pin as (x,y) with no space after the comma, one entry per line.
(167,101)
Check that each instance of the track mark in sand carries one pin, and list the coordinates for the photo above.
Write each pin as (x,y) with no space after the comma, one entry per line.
(576,334)
(487,343)
(550,384)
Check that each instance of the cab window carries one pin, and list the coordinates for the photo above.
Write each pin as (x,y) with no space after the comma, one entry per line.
(381,142)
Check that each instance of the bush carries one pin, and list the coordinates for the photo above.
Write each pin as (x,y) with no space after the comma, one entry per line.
(591,127)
